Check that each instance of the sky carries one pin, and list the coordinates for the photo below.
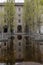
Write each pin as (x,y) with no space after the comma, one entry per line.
(15,0)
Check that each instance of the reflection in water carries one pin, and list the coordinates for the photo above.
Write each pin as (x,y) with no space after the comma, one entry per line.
(2,63)
(6,64)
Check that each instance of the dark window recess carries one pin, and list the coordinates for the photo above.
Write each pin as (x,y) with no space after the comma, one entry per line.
(26,38)
(19,49)
(29,18)
(5,44)
(5,29)
(5,52)
(19,43)
(27,43)
(26,28)
(19,20)
(19,9)
(26,47)
(33,10)
(19,37)
(0,46)
(19,28)
(19,55)
(5,18)
(41,43)
(19,15)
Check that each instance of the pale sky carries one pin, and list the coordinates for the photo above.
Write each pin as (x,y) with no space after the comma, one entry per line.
(15,0)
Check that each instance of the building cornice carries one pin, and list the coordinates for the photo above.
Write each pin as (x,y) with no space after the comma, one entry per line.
(16,4)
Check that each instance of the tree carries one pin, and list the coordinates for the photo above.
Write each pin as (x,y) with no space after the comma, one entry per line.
(41,2)
(31,18)
(38,53)
(38,21)
(28,18)
(9,19)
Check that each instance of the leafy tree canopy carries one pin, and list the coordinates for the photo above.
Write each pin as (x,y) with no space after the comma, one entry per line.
(41,2)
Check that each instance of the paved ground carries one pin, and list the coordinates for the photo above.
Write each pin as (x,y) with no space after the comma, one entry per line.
(28,63)
(24,63)
(31,63)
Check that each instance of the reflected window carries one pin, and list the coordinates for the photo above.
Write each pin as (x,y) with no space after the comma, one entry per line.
(19,28)
(5,44)
(0,46)
(19,43)
(19,15)
(19,49)
(19,20)
(5,29)
(19,9)
(19,55)
(19,37)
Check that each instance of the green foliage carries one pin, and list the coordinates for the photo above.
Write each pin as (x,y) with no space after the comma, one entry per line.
(9,17)
(9,12)
(28,13)
(28,17)
(41,2)
(31,15)
(2,18)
